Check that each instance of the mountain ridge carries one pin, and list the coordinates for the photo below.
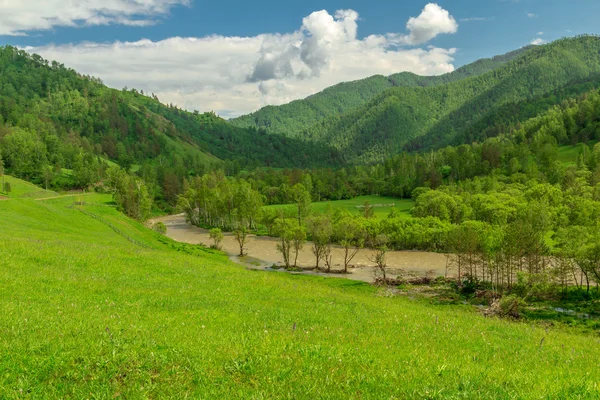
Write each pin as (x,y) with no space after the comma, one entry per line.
(346,96)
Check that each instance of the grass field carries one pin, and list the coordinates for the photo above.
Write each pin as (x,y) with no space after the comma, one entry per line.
(383,206)
(85,313)
(23,189)
(568,154)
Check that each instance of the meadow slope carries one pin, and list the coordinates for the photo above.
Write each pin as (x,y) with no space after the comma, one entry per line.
(89,312)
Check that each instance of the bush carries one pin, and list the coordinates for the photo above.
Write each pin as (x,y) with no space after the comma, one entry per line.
(160,228)
(511,306)
(217,237)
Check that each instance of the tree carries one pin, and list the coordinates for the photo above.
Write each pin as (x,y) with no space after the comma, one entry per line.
(379,258)
(302,198)
(350,236)
(130,194)
(48,173)
(284,228)
(241,235)
(7,188)
(298,240)
(268,217)
(216,236)
(368,210)
(2,171)
(320,231)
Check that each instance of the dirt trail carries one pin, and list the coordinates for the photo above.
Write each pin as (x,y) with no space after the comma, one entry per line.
(60,196)
(262,253)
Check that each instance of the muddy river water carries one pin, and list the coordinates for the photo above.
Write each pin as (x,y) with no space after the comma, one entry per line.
(263,254)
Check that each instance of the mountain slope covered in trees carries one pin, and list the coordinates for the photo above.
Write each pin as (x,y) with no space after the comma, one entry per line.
(57,115)
(466,109)
(292,118)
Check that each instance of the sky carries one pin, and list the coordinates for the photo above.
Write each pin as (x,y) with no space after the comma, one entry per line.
(234,57)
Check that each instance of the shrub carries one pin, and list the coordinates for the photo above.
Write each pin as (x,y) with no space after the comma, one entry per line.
(511,306)
(160,228)
(217,237)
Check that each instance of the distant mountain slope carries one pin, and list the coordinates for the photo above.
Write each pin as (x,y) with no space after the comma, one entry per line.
(290,119)
(57,112)
(416,118)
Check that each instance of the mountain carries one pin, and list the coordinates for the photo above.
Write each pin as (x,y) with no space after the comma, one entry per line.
(478,102)
(292,118)
(50,114)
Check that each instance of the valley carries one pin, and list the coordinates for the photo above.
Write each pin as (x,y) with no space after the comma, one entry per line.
(399,236)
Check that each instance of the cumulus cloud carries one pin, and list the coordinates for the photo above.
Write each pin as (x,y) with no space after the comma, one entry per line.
(538,41)
(531,15)
(432,21)
(237,75)
(17,17)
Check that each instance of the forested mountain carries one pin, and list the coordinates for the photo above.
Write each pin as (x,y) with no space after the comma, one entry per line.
(56,115)
(488,98)
(291,119)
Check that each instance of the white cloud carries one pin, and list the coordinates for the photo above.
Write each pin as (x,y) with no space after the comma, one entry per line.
(531,15)
(432,21)
(540,33)
(237,75)
(538,41)
(17,17)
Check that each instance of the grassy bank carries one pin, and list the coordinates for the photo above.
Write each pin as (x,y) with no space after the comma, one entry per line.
(382,206)
(86,313)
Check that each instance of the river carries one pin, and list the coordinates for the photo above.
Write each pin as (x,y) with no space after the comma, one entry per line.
(263,254)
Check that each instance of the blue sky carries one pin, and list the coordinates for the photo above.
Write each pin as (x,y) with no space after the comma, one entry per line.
(240,55)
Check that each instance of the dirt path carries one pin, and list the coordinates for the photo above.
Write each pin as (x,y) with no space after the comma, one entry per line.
(262,253)
(60,196)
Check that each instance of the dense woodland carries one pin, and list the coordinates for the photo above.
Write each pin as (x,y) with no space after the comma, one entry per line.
(293,118)
(457,108)
(53,119)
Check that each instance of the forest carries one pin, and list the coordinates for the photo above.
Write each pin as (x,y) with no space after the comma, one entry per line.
(459,108)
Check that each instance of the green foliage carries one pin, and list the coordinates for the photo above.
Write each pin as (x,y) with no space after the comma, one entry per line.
(218,201)
(320,232)
(216,236)
(470,108)
(160,228)
(51,116)
(130,194)
(295,117)
(511,306)
(240,233)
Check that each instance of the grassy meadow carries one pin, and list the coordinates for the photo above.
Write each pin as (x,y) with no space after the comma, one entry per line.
(382,206)
(568,154)
(23,189)
(86,313)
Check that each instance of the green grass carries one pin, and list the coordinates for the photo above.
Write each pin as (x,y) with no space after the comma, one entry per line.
(383,206)
(84,313)
(567,155)
(23,189)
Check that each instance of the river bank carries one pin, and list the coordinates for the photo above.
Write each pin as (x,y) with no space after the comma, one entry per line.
(262,254)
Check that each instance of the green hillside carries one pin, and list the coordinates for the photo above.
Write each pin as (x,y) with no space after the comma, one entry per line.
(23,189)
(488,98)
(292,118)
(134,315)
(52,114)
